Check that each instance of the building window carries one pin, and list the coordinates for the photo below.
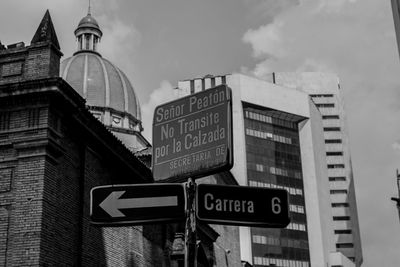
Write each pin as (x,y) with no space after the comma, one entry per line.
(259,167)
(330,117)
(95,41)
(345,245)
(296,208)
(334,153)
(278,171)
(87,41)
(336,205)
(268,136)
(296,226)
(341,218)
(80,42)
(274,170)
(343,231)
(321,95)
(325,105)
(268,119)
(291,190)
(97,115)
(333,141)
(335,166)
(116,121)
(265,261)
(332,129)
(337,179)
(338,191)
(259,239)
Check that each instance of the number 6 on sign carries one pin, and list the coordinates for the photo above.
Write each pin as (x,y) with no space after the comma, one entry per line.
(276,205)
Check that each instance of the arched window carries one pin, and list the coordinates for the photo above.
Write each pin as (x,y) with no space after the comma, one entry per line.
(80,42)
(95,41)
(87,41)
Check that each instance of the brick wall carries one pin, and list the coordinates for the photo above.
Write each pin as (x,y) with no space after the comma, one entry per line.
(51,155)
(22,161)
(39,60)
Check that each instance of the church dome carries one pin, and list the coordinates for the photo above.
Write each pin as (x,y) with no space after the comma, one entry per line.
(109,94)
(103,85)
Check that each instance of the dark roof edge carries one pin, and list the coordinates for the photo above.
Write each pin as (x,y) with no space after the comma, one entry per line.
(60,88)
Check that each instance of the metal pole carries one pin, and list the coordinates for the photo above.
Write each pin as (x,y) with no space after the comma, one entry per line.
(190,231)
(397,200)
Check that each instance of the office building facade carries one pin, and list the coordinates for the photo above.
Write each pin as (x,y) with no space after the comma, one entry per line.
(279,143)
(324,89)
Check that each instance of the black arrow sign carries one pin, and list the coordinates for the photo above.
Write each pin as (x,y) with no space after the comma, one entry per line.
(137,204)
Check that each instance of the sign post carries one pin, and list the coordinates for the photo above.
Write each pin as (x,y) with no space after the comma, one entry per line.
(192,136)
(190,228)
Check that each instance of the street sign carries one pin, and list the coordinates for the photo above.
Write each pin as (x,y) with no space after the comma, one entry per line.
(242,205)
(137,204)
(192,136)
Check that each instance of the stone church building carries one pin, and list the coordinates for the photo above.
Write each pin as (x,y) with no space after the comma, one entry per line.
(64,129)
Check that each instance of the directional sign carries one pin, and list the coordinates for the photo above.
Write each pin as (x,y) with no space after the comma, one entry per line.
(192,136)
(242,205)
(137,204)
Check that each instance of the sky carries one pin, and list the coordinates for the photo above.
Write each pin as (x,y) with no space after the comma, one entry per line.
(157,43)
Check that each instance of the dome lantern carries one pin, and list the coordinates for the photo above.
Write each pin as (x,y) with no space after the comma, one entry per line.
(88,34)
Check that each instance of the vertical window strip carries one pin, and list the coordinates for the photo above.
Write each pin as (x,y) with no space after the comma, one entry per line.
(4,121)
(33,117)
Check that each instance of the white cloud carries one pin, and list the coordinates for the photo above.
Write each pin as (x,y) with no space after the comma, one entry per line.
(313,65)
(159,96)
(332,6)
(396,146)
(119,40)
(266,40)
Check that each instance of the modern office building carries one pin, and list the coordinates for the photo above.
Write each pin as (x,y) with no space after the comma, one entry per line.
(327,95)
(279,143)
